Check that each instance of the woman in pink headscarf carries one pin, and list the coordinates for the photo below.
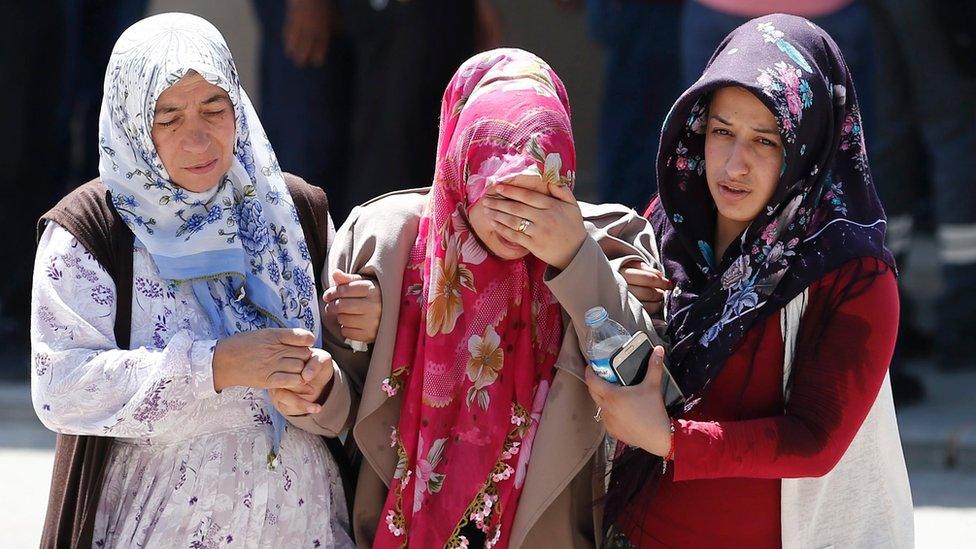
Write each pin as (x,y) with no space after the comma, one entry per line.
(470,409)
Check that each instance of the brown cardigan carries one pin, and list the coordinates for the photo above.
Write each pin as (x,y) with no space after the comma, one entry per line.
(565,475)
(80,461)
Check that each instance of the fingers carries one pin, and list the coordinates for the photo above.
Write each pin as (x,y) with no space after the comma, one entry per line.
(512,235)
(562,192)
(535,199)
(340,277)
(320,48)
(646,295)
(655,369)
(318,369)
(290,404)
(511,207)
(294,336)
(598,387)
(644,275)
(365,335)
(284,380)
(289,365)
(356,288)
(508,220)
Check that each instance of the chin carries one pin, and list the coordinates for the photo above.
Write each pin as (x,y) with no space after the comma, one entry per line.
(504,252)
(197,184)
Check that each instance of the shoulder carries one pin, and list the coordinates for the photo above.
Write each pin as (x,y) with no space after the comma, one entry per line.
(595,212)
(388,212)
(865,288)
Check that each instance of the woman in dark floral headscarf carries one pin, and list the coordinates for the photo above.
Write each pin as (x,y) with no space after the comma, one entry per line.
(782,321)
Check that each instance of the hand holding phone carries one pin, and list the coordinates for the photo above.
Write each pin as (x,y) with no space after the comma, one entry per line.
(630,364)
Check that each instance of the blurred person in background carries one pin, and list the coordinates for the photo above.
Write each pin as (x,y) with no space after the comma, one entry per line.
(927,134)
(642,78)
(55,53)
(704,23)
(355,86)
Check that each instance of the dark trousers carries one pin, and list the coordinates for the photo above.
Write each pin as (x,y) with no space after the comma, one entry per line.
(31,61)
(927,134)
(642,80)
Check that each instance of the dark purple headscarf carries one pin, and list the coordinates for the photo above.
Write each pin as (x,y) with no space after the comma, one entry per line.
(824,212)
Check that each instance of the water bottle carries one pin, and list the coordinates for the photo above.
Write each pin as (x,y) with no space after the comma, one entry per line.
(603,337)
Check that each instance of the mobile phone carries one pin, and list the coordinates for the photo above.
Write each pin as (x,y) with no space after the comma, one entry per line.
(630,364)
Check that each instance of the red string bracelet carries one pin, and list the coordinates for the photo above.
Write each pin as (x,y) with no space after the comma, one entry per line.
(670,454)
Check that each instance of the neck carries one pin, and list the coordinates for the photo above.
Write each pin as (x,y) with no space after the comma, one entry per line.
(726,231)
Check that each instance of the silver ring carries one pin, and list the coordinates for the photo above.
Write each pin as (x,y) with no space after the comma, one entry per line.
(524,224)
(598,416)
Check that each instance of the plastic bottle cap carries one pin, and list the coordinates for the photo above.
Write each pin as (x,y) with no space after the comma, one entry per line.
(595,316)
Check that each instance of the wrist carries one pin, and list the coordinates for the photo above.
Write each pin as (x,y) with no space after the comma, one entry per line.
(562,262)
(221,375)
(661,441)
(326,390)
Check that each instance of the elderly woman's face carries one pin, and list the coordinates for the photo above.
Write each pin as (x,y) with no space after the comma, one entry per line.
(743,154)
(481,222)
(193,130)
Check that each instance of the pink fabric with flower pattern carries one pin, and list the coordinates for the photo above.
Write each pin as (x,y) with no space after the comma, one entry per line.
(478,336)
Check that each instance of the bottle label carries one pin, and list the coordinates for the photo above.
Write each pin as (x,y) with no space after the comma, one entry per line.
(603,369)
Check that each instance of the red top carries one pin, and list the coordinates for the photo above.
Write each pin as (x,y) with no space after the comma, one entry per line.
(723,488)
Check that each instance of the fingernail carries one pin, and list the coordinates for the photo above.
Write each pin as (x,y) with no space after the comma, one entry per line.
(312,409)
(659,352)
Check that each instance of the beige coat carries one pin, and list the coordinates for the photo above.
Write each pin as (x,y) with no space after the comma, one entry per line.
(565,475)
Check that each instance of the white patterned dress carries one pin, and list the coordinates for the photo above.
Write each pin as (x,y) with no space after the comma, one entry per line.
(189,467)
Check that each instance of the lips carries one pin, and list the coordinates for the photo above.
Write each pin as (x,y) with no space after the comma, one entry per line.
(202,168)
(508,243)
(732,191)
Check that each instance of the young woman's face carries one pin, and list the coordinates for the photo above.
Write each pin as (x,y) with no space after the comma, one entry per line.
(743,154)
(481,222)
(193,130)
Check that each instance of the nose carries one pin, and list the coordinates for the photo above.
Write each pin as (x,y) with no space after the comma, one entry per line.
(737,165)
(196,139)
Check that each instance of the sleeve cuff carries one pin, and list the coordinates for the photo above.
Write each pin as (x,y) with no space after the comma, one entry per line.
(201,368)
(334,416)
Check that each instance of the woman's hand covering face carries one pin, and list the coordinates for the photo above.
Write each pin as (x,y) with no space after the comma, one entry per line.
(551,223)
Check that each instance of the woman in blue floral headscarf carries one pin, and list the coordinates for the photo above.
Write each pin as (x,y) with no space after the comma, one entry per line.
(223,309)
(782,321)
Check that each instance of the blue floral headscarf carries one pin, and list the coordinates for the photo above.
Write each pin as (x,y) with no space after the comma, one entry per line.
(239,245)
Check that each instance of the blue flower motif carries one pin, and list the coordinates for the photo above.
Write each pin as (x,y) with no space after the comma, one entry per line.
(678,218)
(284,257)
(179,194)
(304,283)
(215,214)
(194,223)
(252,228)
(273,271)
(303,249)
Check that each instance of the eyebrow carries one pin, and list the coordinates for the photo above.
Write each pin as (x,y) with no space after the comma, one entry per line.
(759,130)
(166,109)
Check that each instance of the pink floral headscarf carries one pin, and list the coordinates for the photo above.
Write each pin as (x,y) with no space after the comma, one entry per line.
(478,336)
